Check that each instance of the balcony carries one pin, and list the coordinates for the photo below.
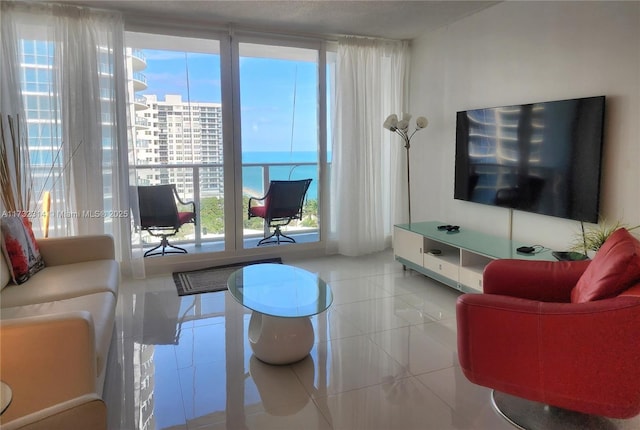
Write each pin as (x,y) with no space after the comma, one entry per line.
(142,122)
(140,102)
(139,81)
(138,60)
(203,184)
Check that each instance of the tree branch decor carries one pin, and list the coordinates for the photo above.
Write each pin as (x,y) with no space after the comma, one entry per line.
(15,175)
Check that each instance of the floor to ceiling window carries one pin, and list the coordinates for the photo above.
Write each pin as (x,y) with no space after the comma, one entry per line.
(45,136)
(279,100)
(177,131)
(68,130)
(270,99)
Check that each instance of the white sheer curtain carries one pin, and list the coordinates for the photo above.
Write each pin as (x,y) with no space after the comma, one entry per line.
(74,90)
(16,173)
(371,78)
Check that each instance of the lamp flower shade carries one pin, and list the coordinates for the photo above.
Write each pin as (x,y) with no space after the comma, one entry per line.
(391,122)
(401,127)
(421,122)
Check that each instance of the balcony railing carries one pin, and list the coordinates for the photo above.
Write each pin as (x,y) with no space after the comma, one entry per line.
(142,122)
(140,102)
(139,81)
(197,181)
(139,54)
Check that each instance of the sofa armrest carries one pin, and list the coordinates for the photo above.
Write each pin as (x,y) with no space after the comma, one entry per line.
(83,412)
(47,360)
(75,249)
(546,281)
(581,356)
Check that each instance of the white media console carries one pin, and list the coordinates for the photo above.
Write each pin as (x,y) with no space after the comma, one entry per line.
(455,258)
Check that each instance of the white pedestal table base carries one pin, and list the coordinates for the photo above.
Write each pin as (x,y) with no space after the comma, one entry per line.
(279,340)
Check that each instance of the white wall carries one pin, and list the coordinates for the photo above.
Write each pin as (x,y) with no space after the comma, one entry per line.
(524,52)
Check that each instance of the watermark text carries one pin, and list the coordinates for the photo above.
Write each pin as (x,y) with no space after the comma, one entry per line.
(69,214)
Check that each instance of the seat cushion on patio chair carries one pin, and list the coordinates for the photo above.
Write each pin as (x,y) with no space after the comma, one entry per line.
(185,217)
(614,269)
(259,211)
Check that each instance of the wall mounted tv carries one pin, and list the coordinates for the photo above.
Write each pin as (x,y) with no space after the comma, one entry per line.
(541,157)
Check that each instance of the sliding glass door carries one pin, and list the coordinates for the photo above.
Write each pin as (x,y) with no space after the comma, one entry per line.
(279,107)
(177,134)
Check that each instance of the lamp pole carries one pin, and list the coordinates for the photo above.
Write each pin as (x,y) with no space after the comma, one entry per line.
(407,146)
(402,129)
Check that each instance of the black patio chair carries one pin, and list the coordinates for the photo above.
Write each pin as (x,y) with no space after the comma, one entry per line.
(281,205)
(160,217)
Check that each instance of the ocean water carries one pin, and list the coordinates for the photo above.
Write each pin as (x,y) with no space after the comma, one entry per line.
(252,176)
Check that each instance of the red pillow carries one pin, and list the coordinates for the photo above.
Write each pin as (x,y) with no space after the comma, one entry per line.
(615,268)
(20,248)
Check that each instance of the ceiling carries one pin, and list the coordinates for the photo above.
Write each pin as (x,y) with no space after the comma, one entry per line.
(384,19)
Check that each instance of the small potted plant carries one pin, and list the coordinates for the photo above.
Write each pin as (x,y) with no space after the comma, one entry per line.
(592,237)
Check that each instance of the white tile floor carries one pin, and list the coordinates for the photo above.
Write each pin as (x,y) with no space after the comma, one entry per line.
(384,358)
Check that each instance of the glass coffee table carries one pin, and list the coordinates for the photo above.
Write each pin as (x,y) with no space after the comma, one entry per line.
(282,298)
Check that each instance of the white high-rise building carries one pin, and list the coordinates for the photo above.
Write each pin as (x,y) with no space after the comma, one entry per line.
(177,132)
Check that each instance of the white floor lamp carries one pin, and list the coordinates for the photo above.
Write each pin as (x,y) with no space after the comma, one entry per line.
(401,127)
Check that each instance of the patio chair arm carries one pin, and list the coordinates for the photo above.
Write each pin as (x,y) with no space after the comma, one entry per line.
(193,205)
(250,205)
(185,203)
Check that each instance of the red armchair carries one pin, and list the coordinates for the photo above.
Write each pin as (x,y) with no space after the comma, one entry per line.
(565,334)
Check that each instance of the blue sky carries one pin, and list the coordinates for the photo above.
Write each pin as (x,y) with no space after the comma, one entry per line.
(273,119)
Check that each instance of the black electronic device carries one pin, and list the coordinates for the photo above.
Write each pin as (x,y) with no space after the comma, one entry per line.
(569,255)
(526,249)
(541,157)
(450,228)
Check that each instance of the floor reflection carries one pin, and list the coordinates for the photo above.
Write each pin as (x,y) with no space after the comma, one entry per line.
(384,357)
(204,337)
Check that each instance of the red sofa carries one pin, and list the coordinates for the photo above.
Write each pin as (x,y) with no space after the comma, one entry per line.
(565,334)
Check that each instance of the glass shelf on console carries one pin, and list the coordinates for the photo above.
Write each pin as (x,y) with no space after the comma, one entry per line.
(454,258)
(489,245)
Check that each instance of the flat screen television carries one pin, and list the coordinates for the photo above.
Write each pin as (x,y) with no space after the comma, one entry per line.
(540,157)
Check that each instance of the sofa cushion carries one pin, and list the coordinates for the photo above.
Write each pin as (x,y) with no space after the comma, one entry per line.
(20,248)
(615,268)
(101,306)
(64,282)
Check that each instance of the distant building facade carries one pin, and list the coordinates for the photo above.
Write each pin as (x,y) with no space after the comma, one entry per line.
(173,132)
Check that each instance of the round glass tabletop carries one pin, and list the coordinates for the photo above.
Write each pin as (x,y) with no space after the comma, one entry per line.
(280,290)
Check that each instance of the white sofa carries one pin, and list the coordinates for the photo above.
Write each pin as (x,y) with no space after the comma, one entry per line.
(55,333)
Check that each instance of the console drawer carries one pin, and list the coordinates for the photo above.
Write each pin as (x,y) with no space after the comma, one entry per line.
(471,279)
(441,266)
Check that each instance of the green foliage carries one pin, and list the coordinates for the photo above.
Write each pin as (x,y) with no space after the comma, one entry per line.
(310,209)
(310,214)
(595,236)
(212,215)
